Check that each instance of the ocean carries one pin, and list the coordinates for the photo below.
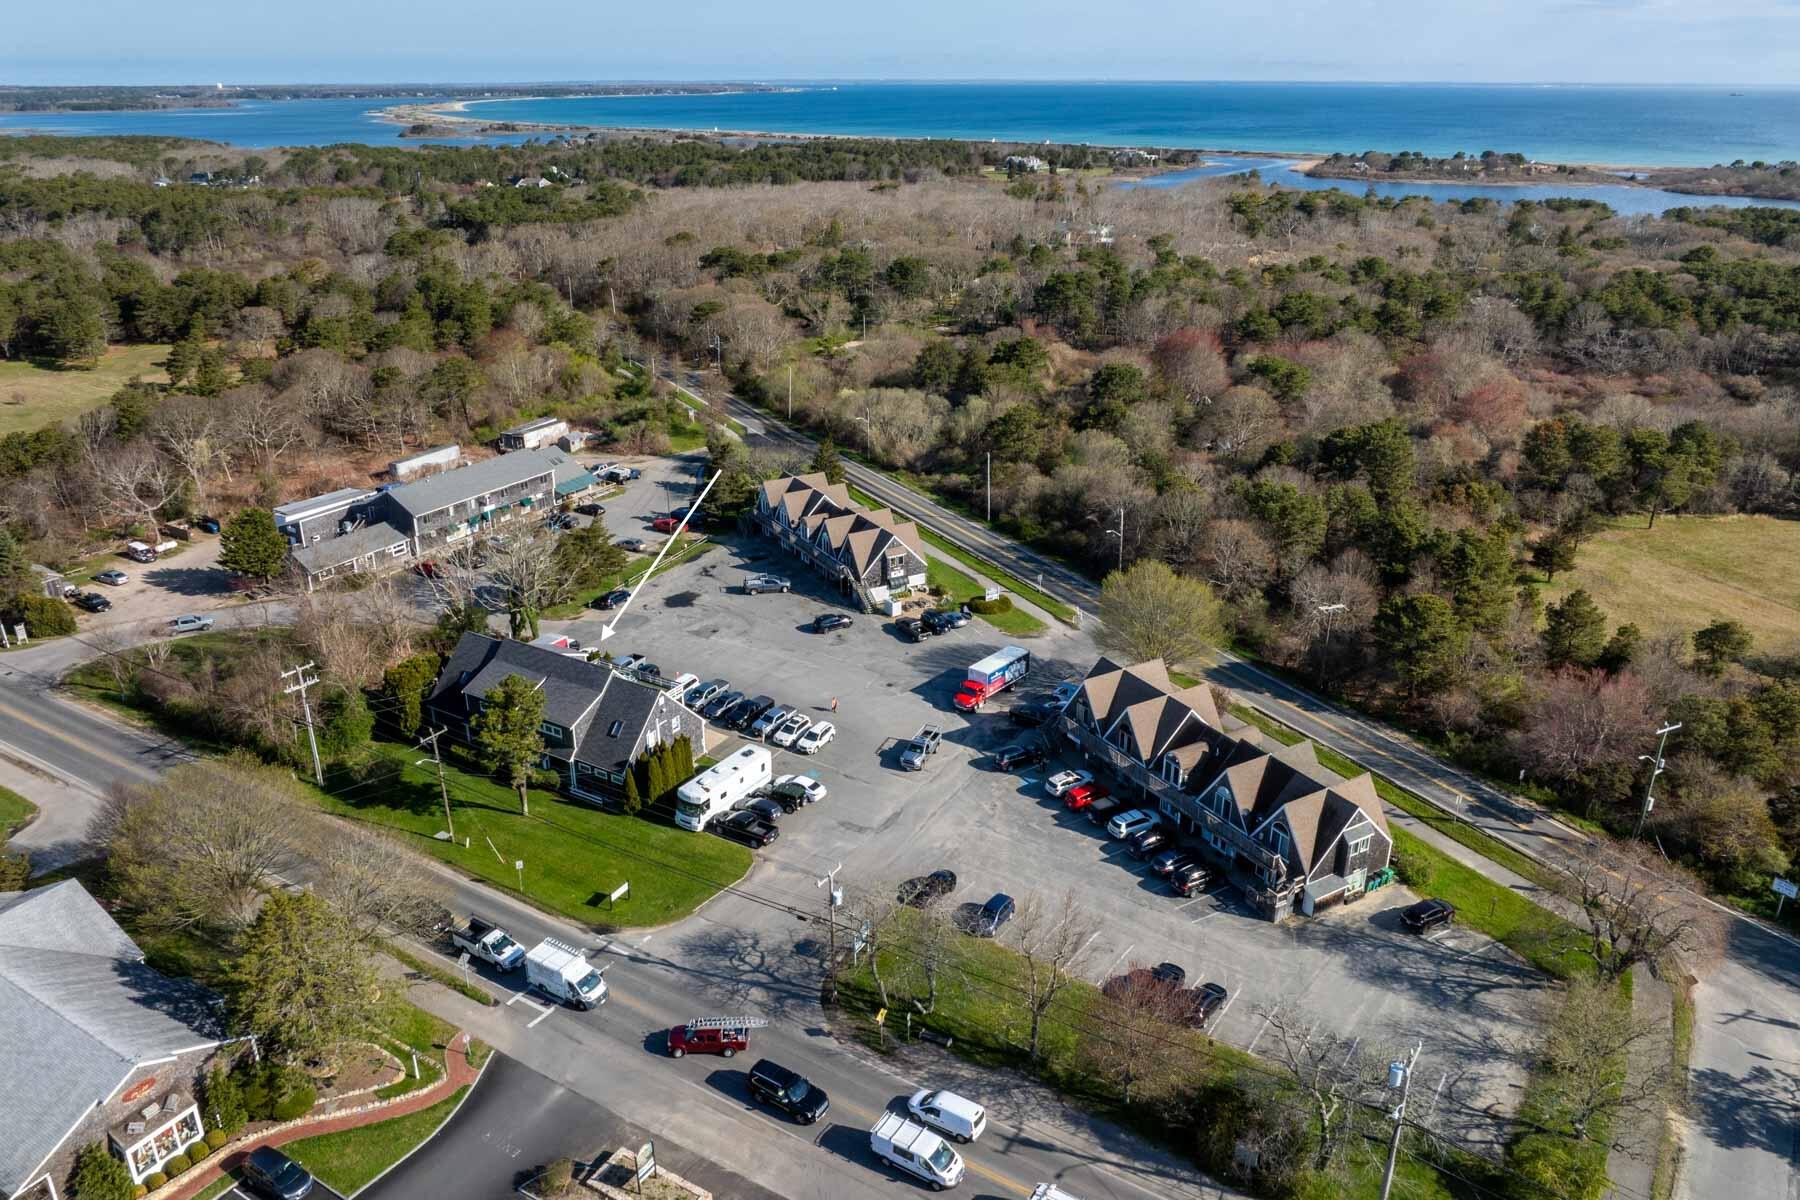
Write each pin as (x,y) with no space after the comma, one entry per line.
(1622,126)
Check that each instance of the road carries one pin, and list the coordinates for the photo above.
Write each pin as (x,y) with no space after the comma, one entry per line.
(1743,1136)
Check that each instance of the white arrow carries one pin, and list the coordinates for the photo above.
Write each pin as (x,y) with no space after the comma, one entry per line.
(606,631)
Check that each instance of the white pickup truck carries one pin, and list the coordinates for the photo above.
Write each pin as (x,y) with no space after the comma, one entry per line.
(919,747)
(916,1150)
(488,942)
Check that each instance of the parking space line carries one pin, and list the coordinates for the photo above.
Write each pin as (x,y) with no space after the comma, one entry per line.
(1119,959)
(1267,1021)
(533,1023)
(1220,1018)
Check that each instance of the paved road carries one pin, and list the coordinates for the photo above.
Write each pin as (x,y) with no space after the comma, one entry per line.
(516,1122)
(1744,1135)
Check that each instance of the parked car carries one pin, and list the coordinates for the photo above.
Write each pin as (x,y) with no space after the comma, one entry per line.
(630,662)
(1082,795)
(112,578)
(790,729)
(815,737)
(943,620)
(427,568)
(560,521)
(1132,821)
(1208,998)
(665,524)
(707,1038)
(1168,973)
(921,891)
(1062,781)
(789,1091)
(271,1173)
(591,510)
(719,705)
(208,524)
(612,599)
(1427,915)
(1103,810)
(964,1120)
(1015,758)
(1033,713)
(744,715)
(1148,843)
(766,807)
(826,622)
(1170,861)
(1189,880)
(92,601)
(770,719)
(633,545)
(702,694)
(756,585)
(746,827)
(190,624)
(986,920)
(912,629)
(807,787)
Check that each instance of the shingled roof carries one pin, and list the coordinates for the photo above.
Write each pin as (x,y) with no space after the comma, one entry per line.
(79,1012)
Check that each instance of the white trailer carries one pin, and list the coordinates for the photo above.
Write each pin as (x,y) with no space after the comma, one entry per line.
(712,792)
(563,973)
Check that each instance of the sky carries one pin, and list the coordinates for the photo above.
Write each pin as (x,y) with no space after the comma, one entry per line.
(1732,42)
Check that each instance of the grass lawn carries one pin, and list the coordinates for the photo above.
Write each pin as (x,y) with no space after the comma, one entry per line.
(15,810)
(573,853)
(349,1160)
(690,549)
(1690,571)
(960,588)
(32,396)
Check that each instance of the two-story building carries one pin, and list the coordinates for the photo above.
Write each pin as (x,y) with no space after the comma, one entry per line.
(1293,835)
(597,721)
(871,553)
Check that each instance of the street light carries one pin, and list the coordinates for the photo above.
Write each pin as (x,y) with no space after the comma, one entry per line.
(1656,768)
(868,436)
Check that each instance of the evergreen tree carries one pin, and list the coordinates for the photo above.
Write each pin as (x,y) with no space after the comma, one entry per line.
(634,799)
(302,982)
(1422,640)
(1555,553)
(210,377)
(509,731)
(1621,648)
(223,1101)
(1720,644)
(825,459)
(99,1174)
(252,546)
(1574,631)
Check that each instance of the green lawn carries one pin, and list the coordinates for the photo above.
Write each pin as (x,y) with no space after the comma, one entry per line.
(32,396)
(574,854)
(690,549)
(960,589)
(15,811)
(348,1161)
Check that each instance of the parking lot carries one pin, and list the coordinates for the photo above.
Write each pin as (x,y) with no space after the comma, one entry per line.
(1353,969)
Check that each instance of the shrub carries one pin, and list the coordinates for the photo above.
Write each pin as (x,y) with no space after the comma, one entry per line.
(296,1103)
(558,1176)
(139,1190)
(223,1104)
(99,1175)
(176,1165)
(155,1180)
(990,607)
(216,1138)
(41,616)
(197,1152)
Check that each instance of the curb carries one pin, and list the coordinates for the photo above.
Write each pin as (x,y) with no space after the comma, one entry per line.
(473,1084)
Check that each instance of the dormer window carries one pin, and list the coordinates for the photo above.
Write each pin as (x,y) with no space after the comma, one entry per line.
(1171,770)
(1278,840)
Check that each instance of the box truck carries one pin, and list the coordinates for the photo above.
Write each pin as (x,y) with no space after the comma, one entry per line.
(563,973)
(712,792)
(993,675)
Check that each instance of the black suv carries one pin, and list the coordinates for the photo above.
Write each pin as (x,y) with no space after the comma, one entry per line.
(611,599)
(1013,758)
(1150,842)
(788,1091)
(271,1173)
(912,629)
(943,620)
(826,622)
(1428,914)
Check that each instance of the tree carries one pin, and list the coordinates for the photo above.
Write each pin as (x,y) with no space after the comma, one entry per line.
(302,983)
(509,731)
(1581,1056)
(1574,631)
(251,545)
(222,1102)
(1621,648)
(373,881)
(1422,640)
(1583,721)
(526,571)
(1719,645)
(41,616)
(585,557)
(1326,1068)
(204,843)
(404,687)
(1632,907)
(1139,1018)
(634,799)
(1148,611)
(1556,552)
(1052,939)
(99,1174)
(735,491)
(826,461)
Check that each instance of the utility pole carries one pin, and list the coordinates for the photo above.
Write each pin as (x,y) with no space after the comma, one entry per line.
(302,681)
(432,741)
(1120,534)
(1328,611)
(790,392)
(1399,1078)
(990,487)
(834,899)
(1656,768)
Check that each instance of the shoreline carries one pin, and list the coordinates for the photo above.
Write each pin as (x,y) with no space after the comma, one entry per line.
(455,113)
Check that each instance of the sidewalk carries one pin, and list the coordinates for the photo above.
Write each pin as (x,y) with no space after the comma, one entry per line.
(1632,1164)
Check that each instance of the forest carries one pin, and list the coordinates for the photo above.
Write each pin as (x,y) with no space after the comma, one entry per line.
(1381,431)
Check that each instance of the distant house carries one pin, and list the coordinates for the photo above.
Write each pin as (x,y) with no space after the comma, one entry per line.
(425,460)
(1293,835)
(95,1046)
(1025,164)
(533,435)
(1134,158)
(597,721)
(871,553)
(529,181)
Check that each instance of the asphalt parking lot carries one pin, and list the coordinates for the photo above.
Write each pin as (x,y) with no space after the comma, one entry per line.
(1353,969)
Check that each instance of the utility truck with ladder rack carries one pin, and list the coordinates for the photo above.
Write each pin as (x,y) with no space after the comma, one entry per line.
(723,1036)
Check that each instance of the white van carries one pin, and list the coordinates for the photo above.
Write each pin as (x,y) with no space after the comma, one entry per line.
(964,1120)
(916,1150)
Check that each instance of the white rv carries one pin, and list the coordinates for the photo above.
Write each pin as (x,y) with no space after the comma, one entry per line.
(711,793)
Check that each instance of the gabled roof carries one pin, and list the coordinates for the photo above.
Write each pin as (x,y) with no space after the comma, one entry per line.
(1110,688)
(79,1011)
(478,479)
(334,551)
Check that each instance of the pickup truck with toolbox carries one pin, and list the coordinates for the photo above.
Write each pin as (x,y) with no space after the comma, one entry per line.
(488,942)
(992,675)
(921,746)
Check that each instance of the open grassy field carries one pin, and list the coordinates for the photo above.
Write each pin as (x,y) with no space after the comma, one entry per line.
(1690,571)
(32,396)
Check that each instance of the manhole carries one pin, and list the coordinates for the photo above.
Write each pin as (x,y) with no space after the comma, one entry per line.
(681,600)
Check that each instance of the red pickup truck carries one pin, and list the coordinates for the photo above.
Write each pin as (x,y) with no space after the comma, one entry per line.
(712,1035)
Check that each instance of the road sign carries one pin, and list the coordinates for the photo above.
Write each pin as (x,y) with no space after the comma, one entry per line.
(1787,888)
(881,1017)
(619,893)
(646,1163)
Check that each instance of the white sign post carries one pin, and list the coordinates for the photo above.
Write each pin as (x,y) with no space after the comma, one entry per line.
(646,1164)
(1786,890)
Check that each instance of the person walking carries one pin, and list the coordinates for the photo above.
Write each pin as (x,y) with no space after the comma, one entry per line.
(834,704)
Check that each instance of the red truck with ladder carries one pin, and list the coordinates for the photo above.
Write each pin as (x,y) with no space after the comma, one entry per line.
(993,675)
(713,1035)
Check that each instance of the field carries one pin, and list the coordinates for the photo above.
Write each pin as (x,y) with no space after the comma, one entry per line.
(959,587)
(32,396)
(1690,571)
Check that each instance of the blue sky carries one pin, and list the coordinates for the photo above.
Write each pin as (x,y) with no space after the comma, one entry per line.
(1736,42)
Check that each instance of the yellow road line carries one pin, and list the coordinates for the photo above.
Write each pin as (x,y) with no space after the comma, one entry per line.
(78,743)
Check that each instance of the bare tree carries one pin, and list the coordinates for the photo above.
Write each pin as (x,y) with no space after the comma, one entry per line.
(1585,1056)
(373,881)
(1635,908)
(1582,719)
(190,431)
(1332,1072)
(1140,1027)
(1052,938)
(524,569)
(266,424)
(1236,557)
(135,481)
(114,646)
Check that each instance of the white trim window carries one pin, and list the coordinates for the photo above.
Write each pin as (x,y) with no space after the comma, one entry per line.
(1171,770)
(1361,844)
(1277,839)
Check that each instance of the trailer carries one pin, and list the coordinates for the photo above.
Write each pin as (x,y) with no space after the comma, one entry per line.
(488,942)
(993,675)
(715,790)
(563,973)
